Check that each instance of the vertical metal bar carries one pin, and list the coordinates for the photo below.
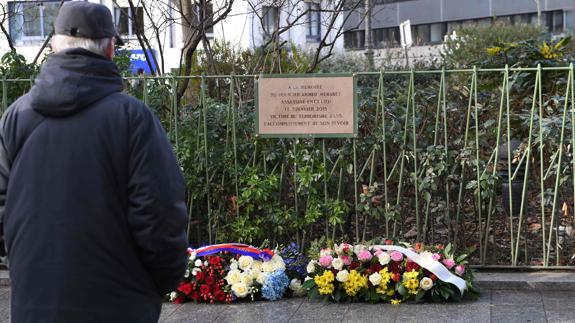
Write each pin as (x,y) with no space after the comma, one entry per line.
(206,156)
(175,110)
(542,167)
(527,161)
(145,90)
(479,197)
(324,153)
(295,177)
(234,141)
(495,160)
(558,172)
(384,148)
(462,177)
(414,134)
(509,163)
(447,186)
(355,190)
(4,95)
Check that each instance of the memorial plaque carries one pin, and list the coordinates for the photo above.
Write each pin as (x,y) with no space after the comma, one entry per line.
(306,106)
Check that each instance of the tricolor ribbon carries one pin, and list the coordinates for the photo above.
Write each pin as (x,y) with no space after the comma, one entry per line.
(237,248)
(433,266)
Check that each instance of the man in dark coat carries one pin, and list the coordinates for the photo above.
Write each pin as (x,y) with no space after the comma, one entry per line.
(91,196)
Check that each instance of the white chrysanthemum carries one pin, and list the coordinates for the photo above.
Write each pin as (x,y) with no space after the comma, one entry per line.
(233,277)
(311,267)
(245,262)
(342,276)
(384,258)
(337,263)
(240,290)
(426,283)
(375,279)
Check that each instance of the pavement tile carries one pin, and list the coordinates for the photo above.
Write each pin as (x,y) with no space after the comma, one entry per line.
(318,311)
(517,313)
(279,311)
(358,312)
(448,312)
(167,310)
(192,313)
(516,297)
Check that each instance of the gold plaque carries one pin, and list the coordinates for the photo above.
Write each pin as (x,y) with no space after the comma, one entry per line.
(302,106)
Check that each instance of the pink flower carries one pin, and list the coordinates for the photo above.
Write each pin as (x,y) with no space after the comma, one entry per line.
(449,263)
(459,270)
(436,256)
(364,255)
(396,256)
(345,259)
(325,261)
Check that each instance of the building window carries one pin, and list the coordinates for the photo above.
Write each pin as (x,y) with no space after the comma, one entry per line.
(270,17)
(436,33)
(569,21)
(354,39)
(313,22)
(421,34)
(31,22)
(129,22)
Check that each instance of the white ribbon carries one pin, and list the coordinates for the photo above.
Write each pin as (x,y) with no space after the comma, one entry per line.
(433,266)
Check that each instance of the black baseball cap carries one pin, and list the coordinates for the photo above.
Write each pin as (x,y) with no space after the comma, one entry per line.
(87,20)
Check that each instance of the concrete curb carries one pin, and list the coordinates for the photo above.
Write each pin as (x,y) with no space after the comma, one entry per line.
(540,280)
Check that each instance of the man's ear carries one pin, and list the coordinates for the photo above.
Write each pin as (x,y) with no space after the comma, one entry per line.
(110,48)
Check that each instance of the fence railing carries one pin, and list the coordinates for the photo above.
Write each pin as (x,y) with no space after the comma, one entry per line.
(475,157)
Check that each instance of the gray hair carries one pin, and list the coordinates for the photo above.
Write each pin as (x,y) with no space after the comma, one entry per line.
(97,46)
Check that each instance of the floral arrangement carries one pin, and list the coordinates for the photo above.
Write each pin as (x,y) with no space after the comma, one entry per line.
(389,273)
(295,262)
(230,272)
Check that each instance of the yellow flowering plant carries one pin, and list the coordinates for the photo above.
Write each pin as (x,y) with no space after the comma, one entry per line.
(379,274)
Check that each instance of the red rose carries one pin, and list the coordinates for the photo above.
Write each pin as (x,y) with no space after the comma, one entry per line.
(179,299)
(186,289)
(195,295)
(214,261)
(200,276)
(204,289)
(411,266)
(210,280)
(375,268)
(394,267)
(354,265)
(220,296)
(181,286)
(396,277)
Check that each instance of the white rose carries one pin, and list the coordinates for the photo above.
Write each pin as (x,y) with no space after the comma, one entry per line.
(342,276)
(375,279)
(233,276)
(384,258)
(193,256)
(311,267)
(261,279)
(195,271)
(257,265)
(206,263)
(198,263)
(269,266)
(240,290)
(245,262)
(295,284)
(173,296)
(247,278)
(338,248)
(426,283)
(337,263)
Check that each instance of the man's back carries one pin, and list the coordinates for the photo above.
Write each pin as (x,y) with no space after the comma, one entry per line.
(94,214)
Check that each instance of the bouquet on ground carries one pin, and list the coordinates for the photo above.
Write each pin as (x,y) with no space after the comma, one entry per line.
(389,273)
(229,272)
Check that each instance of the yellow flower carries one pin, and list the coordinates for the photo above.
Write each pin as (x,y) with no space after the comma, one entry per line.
(395,301)
(355,283)
(324,282)
(547,52)
(493,50)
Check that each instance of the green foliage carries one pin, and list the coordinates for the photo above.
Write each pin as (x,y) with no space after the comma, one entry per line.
(469,47)
(14,66)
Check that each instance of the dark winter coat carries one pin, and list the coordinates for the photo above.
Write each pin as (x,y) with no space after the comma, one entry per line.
(92,198)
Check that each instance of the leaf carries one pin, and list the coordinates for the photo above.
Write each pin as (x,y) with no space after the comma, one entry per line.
(401,290)
(308,284)
(420,295)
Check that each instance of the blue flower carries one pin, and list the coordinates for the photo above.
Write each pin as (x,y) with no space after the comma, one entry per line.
(275,285)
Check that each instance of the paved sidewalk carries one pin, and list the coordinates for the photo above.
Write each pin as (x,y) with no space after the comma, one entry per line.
(506,297)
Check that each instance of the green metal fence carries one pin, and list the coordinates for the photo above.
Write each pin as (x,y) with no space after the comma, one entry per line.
(475,157)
